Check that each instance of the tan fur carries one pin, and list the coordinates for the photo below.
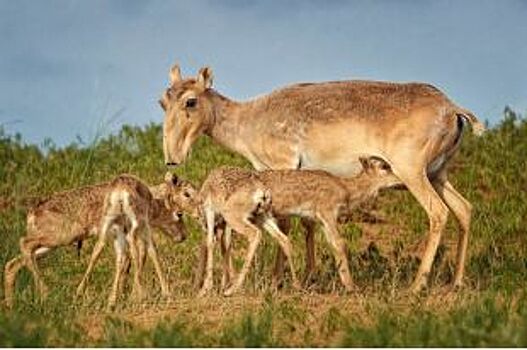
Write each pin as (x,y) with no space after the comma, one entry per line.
(243,202)
(317,196)
(414,127)
(75,215)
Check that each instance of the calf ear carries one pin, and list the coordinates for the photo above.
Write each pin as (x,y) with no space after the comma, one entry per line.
(175,74)
(364,162)
(171,179)
(205,77)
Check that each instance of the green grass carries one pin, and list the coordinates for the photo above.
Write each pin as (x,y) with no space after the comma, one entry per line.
(490,171)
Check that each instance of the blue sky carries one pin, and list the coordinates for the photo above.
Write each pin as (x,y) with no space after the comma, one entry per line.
(73,67)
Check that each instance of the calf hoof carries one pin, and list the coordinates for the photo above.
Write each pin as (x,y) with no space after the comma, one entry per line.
(351,289)
(166,293)
(110,307)
(80,289)
(203,292)
(44,292)
(297,286)
(230,291)
(138,295)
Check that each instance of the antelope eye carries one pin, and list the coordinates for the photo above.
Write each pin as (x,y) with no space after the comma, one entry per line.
(186,194)
(191,102)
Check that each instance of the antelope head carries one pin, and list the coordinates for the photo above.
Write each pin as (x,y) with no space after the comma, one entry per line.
(188,113)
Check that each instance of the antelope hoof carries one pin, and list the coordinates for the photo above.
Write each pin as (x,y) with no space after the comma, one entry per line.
(455,287)
(417,287)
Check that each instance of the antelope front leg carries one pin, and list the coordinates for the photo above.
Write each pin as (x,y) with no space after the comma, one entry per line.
(437,211)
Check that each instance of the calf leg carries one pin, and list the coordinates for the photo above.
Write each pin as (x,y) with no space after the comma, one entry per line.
(339,249)
(152,253)
(202,265)
(209,247)
(97,250)
(120,253)
(309,227)
(136,246)
(10,272)
(285,244)
(226,245)
(285,225)
(28,247)
(253,234)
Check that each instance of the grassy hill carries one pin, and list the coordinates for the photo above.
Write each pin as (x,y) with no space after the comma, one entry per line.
(490,171)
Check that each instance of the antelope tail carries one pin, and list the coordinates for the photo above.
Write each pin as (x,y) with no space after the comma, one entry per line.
(477,127)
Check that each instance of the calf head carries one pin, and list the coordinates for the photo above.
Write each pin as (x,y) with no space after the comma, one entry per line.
(182,194)
(380,171)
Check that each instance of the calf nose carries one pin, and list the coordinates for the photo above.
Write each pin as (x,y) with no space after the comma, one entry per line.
(171,163)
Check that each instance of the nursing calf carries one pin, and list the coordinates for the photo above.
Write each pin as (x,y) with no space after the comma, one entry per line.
(311,194)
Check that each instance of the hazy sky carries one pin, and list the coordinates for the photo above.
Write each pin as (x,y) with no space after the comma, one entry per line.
(68,68)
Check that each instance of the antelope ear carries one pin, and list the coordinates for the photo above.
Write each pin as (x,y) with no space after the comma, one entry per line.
(165,98)
(205,77)
(171,179)
(162,104)
(175,74)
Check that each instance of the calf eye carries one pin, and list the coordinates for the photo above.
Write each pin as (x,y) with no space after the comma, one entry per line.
(186,194)
(191,102)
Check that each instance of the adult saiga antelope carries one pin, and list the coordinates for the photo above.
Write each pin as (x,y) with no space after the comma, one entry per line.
(414,127)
